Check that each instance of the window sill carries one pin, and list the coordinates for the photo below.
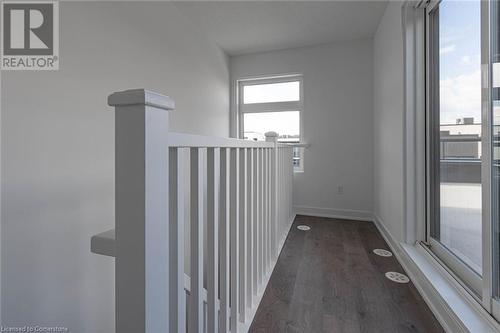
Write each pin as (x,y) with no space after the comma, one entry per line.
(456,310)
(297,144)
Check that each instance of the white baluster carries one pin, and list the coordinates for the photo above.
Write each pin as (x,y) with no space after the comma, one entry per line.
(264,215)
(261,218)
(255,220)
(224,242)
(243,193)
(234,223)
(270,201)
(283,191)
(290,183)
(274,201)
(250,225)
(178,167)
(213,167)
(198,217)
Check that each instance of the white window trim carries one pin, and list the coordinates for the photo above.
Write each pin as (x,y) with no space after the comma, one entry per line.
(268,107)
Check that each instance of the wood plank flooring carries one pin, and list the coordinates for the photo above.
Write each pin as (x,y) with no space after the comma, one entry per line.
(328,280)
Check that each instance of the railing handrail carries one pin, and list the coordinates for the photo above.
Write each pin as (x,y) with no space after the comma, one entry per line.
(181,140)
(194,140)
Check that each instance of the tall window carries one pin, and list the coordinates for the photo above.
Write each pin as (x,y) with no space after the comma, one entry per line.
(456,138)
(463,143)
(272,104)
(452,69)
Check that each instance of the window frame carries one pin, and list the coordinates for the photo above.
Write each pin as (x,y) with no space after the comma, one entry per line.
(270,106)
(483,289)
(491,292)
(470,280)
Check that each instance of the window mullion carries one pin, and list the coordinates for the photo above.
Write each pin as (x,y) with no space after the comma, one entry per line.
(271,107)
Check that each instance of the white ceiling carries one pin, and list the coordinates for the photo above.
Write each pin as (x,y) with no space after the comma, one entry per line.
(241,27)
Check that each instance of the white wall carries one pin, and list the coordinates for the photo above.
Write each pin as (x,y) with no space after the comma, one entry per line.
(338,122)
(58,151)
(388,141)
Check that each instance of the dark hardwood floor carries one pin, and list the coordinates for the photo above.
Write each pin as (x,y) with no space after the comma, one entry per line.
(328,280)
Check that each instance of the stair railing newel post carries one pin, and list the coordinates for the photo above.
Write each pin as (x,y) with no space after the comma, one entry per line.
(141,210)
(274,200)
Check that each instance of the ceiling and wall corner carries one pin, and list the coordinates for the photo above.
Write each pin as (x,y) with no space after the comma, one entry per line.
(243,27)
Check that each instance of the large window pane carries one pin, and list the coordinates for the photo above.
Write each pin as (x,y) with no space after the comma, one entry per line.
(272,92)
(457,71)
(285,123)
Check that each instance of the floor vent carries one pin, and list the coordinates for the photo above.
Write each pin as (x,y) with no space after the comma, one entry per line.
(304,227)
(382,253)
(397,277)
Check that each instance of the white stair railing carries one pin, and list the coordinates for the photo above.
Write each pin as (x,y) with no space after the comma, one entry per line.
(200,221)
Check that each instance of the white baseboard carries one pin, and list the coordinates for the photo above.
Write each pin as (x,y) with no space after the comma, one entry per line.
(453,311)
(359,215)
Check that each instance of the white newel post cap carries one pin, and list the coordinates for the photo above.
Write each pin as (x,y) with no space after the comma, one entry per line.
(271,136)
(141,97)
